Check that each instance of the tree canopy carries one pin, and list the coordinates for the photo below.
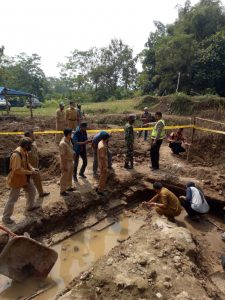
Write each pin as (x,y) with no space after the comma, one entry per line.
(188,56)
(192,46)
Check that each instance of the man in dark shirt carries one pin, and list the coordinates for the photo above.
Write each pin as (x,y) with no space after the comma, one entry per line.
(80,140)
(146,118)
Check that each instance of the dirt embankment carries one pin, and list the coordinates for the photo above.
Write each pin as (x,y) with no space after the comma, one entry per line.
(158,262)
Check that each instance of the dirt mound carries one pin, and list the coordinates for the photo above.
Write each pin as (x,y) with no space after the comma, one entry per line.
(154,269)
(49,165)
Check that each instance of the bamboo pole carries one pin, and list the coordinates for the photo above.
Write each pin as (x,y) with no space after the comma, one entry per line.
(212,121)
(192,138)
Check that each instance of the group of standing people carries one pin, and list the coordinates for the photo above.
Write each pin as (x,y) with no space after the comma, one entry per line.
(157,136)
(24,172)
(73,147)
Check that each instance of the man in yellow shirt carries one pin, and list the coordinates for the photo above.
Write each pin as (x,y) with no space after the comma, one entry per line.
(66,163)
(165,202)
(33,159)
(72,116)
(103,163)
(60,122)
(20,177)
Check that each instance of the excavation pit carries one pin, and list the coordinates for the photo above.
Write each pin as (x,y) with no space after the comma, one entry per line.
(76,255)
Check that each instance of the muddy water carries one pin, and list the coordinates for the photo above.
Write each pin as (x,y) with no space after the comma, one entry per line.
(76,254)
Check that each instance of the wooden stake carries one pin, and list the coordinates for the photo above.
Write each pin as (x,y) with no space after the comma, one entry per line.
(31,110)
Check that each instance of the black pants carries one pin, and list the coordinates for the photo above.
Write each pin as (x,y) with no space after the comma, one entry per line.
(154,154)
(187,206)
(83,156)
(176,148)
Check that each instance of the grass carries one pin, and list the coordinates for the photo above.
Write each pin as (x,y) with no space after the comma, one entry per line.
(108,107)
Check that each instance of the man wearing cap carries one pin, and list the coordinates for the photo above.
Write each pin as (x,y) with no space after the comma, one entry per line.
(146,118)
(33,159)
(165,202)
(60,122)
(72,116)
(80,140)
(97,138)
(158,134)
(66,163)
(129,140)
(20,177)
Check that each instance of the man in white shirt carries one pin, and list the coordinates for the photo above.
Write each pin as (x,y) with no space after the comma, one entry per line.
(194,203)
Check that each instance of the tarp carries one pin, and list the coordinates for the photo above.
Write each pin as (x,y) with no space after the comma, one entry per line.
(10,92)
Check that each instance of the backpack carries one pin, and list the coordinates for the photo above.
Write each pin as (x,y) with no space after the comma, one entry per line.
(6,167)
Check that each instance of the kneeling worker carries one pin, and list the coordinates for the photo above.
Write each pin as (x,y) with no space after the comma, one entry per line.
(194,203)
(165,202)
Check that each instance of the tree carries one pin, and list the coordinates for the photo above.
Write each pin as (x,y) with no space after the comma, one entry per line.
(23,72)
(102,72)
(183,47)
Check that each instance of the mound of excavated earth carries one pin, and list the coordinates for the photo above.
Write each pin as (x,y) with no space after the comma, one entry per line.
(158,262)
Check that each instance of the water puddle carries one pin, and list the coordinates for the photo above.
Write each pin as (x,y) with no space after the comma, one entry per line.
(76,254)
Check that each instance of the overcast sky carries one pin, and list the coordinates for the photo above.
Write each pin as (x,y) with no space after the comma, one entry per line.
(53,28)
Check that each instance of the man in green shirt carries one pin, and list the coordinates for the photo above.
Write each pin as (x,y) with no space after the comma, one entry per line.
(129,140)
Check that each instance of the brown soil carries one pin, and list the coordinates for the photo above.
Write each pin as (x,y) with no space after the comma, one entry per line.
(206,241)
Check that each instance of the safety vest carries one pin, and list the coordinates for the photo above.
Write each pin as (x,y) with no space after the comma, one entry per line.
(155,132)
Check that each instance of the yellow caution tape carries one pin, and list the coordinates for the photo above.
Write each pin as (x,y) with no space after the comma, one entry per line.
(209,130)
(96,130)
(112,130)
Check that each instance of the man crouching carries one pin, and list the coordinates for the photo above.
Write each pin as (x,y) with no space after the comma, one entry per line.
(165,202)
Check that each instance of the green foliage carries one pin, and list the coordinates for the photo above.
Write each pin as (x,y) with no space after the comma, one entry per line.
(51,103)
(101,73)
(147,101)
(192,46)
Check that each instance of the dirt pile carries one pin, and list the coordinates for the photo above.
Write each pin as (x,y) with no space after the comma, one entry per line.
(158,262)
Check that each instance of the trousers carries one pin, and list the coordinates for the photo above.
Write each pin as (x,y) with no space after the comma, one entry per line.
(72,124)
(38,183)
(187,206)
(14,194)
(130,152)
(66,177)
(95,162)
(154,154)
(168,212)
(145,134)
(102,179)
(59,127)
(176,148)
(83,156)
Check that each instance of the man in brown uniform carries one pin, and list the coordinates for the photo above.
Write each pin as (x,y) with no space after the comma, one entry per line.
(66,163)
(165,202)
(60,122)
(33,159)
(19,177)
(72,116)
(103,163)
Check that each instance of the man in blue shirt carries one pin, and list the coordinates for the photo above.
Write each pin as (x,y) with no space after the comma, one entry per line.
(97,138)
(80,140)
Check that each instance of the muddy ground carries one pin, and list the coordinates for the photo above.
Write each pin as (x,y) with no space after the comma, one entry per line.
(136,277)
